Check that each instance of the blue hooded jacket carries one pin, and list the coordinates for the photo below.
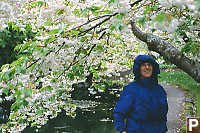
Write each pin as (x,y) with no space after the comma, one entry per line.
(142,106)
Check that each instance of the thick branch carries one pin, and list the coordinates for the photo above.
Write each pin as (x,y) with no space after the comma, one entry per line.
(169,52)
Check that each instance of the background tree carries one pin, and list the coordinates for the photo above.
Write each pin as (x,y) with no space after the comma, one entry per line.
(10,37)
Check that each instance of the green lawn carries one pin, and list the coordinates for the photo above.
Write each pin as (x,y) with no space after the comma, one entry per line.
(185,81)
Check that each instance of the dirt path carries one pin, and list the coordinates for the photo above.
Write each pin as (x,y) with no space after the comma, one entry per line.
(175,101)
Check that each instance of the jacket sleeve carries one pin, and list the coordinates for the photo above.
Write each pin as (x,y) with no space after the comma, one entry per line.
(121,109)
(164,109)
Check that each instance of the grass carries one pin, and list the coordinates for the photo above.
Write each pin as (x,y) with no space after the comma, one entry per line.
(185,81)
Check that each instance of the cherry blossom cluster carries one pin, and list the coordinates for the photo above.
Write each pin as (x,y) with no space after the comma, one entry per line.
(41,83)
(74,38)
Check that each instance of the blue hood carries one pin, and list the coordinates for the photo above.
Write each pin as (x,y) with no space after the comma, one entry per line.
(145,58)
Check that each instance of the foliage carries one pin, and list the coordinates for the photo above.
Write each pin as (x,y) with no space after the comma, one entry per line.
(10,37)
(76,38)
(167,66)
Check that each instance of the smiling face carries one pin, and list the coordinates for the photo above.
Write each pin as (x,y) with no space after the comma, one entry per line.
(146,70)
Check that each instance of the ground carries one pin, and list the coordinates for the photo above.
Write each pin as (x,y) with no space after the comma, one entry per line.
(176,99)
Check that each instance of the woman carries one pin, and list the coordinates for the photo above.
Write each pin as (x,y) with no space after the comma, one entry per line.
(142,106)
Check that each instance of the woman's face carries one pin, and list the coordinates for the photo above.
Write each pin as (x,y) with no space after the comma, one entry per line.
(146,70)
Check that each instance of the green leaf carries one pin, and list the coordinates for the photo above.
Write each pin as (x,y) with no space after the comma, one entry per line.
(60,11)
(112,1)
(187,48)
(39,112)
(18,103)
(20,70)
(161,17)
(52,99)
(84,51)
(7,75)
(70,76)
(112,27)
(142,20)
(25,103)
(75,32)
(109,82)
(95,8)
(99,47)
(12,73)
(147,10)
(54,80)
(54,31)
(47,88)
(84,12)
(120,26)
(20,120)
(155,7)
(67,3)
(83,39)
(99,86)
(25,46)
(153,30)
(5,66)
(49,22)
(77,12)
(60,92)
(34,124)
(120,16)
(40,3)
(6,91)
(49,40)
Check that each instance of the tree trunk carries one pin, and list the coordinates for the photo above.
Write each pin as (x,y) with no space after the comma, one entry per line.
(168,51)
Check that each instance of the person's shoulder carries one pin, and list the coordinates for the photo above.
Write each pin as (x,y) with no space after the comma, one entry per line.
(131,87)
(131,84)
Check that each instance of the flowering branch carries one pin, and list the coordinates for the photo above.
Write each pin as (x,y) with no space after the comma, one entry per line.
(88,54)
(100,23)
(168,51)
(136,2)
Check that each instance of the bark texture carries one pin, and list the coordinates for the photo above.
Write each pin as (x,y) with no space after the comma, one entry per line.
(168,51)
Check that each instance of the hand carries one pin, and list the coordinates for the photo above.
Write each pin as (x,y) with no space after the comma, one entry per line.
(124,132)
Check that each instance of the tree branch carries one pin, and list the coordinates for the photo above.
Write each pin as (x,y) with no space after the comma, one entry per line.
(91,20)
(98,24)
(73,63)
(168,51)
(136,2)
